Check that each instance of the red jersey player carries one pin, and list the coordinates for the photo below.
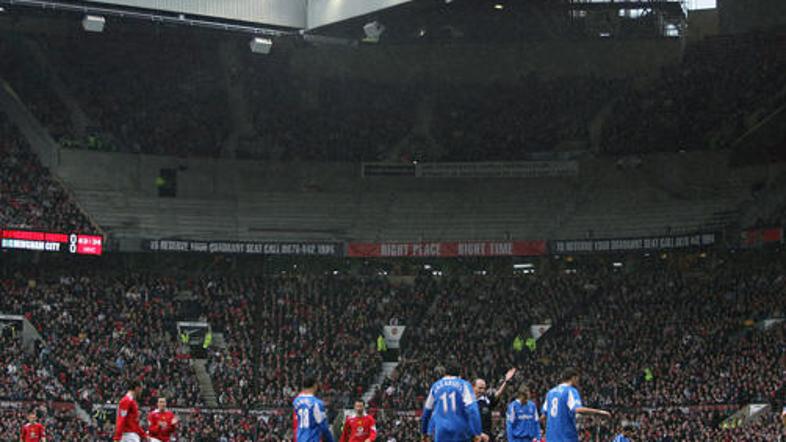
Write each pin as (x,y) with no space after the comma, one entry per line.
(361,427)
(33,431)
(162,422)
(127,427)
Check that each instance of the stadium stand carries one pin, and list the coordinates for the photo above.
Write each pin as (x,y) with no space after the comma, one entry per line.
(699,336)
(675,344)
(478,123)
(30,197)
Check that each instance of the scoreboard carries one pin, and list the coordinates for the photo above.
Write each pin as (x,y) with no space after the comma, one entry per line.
(73,243)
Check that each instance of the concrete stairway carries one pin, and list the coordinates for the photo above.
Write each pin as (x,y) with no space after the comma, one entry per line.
(387,370)
(205,383)
(219,341)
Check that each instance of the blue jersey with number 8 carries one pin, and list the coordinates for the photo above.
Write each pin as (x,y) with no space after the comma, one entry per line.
(451,410)
(560,411)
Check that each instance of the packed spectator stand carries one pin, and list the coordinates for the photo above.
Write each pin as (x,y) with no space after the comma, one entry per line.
(129,110)
(30,198)
(690,321)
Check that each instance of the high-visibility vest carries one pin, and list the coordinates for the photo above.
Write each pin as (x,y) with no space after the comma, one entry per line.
(518,344)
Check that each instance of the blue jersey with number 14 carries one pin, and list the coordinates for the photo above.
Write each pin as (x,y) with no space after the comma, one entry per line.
(560,411)
(311,420)
(451,410)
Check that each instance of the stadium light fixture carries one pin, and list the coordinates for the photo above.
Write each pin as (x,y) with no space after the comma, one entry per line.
(93,23)
(525,265)
(499,6)
(261,45)
(373,31)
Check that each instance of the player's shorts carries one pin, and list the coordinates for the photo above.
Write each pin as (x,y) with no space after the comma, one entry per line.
(130,437)
(153,439)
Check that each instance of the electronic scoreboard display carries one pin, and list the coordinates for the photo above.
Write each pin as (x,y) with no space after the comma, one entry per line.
(74,243)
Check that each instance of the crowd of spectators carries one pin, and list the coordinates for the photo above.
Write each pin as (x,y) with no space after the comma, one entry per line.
(693,333)
(655,337)
(477,317)
(29,82)
(654,344)
(392,427)
(29,197)
(163,94)
(723,88)
(61,424)
(322,324)
(100,331)
(704,425)
(25,378)
(153,93)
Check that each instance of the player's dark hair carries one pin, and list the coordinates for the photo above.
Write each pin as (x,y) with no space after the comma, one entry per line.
(361,401)
(439,371)
(452,367)
(309,381)
(133,384)
(569,373)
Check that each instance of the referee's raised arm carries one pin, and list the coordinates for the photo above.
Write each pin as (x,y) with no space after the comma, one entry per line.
(487,403)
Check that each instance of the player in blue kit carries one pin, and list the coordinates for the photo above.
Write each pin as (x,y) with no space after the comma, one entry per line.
(311,423)
(624,435)
(522,422)
(562,404)
(451,410)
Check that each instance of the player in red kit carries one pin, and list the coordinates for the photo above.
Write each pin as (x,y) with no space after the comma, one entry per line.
(361,427)
(127,427)
(162,422)
(33,431)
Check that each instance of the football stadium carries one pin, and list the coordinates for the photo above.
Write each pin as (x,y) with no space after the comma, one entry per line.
(392,220)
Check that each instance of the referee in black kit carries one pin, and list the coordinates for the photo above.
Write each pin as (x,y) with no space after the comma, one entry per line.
(487,403)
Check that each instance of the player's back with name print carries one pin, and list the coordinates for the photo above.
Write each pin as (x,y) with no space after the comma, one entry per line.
(449,398)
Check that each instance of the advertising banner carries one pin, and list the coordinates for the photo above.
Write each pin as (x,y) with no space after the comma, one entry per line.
(447,249)
(633,244)
(245,248)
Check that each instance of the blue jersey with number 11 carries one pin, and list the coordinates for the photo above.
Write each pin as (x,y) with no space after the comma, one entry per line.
(560,411)
(451,410)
